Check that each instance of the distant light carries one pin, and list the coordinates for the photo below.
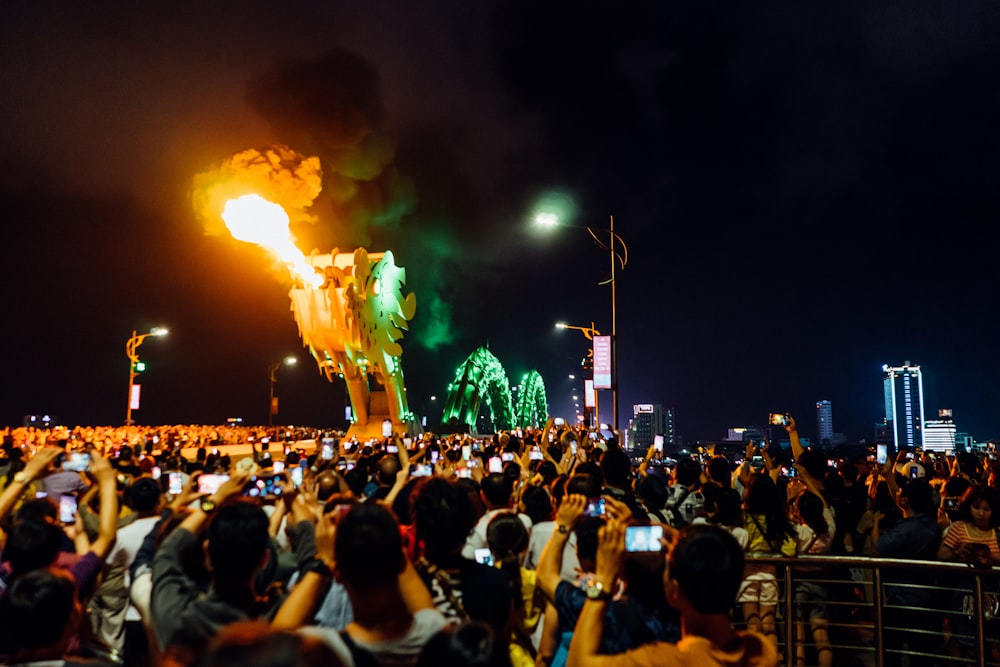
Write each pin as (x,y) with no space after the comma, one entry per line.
(572,377)
(434,398)
(561,325)
(576,398)
(547,219)
(158,331)
(291,361)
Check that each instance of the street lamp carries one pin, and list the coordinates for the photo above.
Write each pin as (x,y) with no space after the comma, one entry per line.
(589,333)
(135,366)
(618,251)
(272,371)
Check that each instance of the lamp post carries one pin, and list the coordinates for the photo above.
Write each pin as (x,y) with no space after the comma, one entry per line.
(618,251)
(589,333)
(272,374)
(134,365)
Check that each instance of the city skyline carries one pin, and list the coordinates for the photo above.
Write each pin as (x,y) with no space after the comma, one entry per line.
(798,187)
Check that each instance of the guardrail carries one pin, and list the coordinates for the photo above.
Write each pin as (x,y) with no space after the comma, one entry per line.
(860,617)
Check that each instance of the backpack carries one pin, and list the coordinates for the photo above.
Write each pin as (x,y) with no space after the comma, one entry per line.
(679,520)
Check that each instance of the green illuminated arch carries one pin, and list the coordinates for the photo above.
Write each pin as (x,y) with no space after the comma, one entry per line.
(480,377)
(532,408)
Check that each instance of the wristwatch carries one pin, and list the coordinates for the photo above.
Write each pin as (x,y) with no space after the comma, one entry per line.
(207,505)
(595,591)
(21,478)
(316,564)
(563,528)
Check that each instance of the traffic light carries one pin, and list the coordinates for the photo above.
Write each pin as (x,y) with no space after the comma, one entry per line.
(140,366)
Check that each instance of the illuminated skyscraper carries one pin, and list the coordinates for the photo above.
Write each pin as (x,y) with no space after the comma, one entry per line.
(824,422)
(904,405)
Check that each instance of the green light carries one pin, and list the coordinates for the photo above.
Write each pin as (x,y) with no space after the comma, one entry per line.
(140,366)
(554,208)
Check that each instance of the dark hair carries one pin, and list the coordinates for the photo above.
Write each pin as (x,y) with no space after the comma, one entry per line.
(653,492)
(956,486)
(720,470)
(37,608)
(256,644)
(367,547)
(388,466)
(537,503)
(442,514)
(583,484)
(31,545)
(508,538)
(810,508)
(467,645)
(688,472)
(586,537)
(728,508)
(920,495)
(814,463)
(37,509)
(763,500)
(592,469)
(238,536)
(144,495)
(496,489)
(617,467)
(707,564)
(17,464)
(974,494)
(548,471)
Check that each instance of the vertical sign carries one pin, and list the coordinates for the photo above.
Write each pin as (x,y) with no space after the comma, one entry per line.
(133,400)
(274,405)
(602,362)
(589,394)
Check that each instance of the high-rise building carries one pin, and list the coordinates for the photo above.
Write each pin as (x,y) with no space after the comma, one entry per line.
(649,419)
(824,422)
(940,434)
(904,405)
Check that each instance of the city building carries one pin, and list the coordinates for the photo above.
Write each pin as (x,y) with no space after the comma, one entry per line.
(903,387)
(824,422)
(648,420)
(940,434)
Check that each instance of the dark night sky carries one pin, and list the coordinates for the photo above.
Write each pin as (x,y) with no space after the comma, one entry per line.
(806,193)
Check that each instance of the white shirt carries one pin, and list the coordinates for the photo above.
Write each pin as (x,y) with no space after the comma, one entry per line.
(477,537)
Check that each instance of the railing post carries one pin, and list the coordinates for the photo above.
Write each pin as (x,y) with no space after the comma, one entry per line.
(789,618)
(977,610)
(877,601)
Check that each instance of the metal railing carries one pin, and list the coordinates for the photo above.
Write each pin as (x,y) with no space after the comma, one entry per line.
(859,615)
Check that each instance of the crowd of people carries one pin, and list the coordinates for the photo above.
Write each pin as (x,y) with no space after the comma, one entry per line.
(538,547)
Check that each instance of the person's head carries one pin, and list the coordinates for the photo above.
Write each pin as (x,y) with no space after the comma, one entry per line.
(537,503)
(590,468)
(548,471)
(238,539)
(728,508)
(653,492)
(978,506)
(442,514)
(388,467)
(810,509)
(467,645)
(326,485)
(584,485)
(256,644)
(507,539)
(144,496)
(720,471)
(814,462)
(688,472)
(586,541)
(37,509)
(617,468)
(704,571)
(41,614)
(917,496)
(32,544)
(367,548)
(495,488)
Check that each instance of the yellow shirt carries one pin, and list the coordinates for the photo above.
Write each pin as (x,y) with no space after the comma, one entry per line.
(754,651)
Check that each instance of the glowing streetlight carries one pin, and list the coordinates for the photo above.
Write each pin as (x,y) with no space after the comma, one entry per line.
(272,374)
(135,367)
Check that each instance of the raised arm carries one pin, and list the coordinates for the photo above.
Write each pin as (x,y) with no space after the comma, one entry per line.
(793,436)
(107,487)
(550,563)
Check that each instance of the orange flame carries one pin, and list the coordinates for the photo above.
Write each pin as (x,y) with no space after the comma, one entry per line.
(253,219)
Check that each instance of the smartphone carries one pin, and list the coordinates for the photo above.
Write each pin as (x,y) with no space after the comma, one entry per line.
(391,449)
(67,509)
(278,466)
(790,472)
(595,507)
(559,421)
(572,447)
(466,452)
(387,428)
(484,556)
(209,484)
(266,486)
(535,454)
(950,503)
(593,435)
(658,443)
(778,419)
(496,464)
(175,484)
(507,456)
(643,538)
(77,462)
(156,472)
(949,453)
(434,456)
(914,472)
(297,475)
(881,454)
(464,473)
(407,442)
(421,470)
(326,449)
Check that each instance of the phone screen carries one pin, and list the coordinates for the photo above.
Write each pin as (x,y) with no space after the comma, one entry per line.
(434,456)
(391,449)
(387,428)
(914,472)
(881,454)
(658,443)
(263,487)
(496,464)
(156,472)
(297,475)
(466,451)
(421,470)
(326,451)
(464,473)
(175,484)
(77,462)
(484,556)
(572,447)
(507,456)
(278,466)
(535,454)
(209,484)
(67,509)
(643,538)
(595,507)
